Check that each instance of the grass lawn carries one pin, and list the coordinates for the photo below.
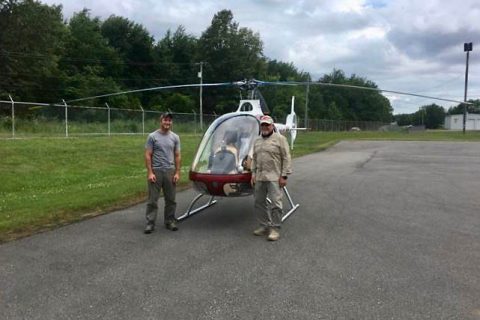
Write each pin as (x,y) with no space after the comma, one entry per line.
(50,182)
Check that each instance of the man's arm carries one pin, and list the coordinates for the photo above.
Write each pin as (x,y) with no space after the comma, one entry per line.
(178,162)
(254,166)
(286,162)
(286,158)
(148,164)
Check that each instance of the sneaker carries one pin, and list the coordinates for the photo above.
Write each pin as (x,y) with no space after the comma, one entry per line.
(261,231)
(171,226)
(273,235)
(149,228)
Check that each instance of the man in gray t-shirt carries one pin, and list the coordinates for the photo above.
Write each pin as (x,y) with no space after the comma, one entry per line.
(162,160)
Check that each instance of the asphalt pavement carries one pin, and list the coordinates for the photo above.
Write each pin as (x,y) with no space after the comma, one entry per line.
(385,230)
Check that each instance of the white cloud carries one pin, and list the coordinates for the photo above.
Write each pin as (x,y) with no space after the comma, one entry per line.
(356,6)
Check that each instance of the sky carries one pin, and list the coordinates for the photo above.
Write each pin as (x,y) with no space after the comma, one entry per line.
(401,45)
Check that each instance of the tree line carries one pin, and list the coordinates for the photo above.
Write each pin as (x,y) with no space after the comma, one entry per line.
(46,59)
(433,115)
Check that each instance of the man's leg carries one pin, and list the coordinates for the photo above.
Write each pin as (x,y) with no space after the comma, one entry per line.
(261,208)
(152,205)
(169,192)
(276,207)
(276,212)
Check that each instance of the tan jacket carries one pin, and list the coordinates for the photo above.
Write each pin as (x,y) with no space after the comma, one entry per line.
(271,158)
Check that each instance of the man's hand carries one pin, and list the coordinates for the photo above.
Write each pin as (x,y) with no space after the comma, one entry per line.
(282,182)
(252,180)
(176,177)
(152,178)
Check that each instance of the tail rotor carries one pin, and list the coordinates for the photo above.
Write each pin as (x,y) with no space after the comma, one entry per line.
(291,124)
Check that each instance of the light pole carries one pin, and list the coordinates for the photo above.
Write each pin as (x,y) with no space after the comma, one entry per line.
(467,47)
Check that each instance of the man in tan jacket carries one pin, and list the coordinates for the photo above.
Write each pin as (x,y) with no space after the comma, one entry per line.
(271,166)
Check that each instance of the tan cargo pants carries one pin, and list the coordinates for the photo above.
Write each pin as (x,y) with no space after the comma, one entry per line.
(268,215)
(164,183)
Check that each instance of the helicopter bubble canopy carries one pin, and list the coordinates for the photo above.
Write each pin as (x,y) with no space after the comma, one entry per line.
(227,145)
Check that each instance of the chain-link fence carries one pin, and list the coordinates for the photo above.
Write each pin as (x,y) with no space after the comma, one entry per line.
(343,125)
(27,119)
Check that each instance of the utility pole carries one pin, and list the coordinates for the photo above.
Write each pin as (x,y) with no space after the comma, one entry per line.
(467,47)
(200,75)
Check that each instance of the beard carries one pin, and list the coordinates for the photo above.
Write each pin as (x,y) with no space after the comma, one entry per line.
(266,133)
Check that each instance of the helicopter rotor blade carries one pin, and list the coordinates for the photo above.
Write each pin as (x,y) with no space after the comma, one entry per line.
(254,83)
(337,85)
(193,85)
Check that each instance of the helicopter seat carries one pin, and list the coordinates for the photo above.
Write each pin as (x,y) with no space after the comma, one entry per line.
(224,161)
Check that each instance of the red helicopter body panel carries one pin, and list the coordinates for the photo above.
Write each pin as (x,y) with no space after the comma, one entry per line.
(223,185)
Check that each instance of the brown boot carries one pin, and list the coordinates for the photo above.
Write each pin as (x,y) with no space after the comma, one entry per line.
(171,226)
(261,231)
(274,235)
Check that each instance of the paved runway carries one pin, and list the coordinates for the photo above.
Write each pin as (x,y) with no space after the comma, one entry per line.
(385,230)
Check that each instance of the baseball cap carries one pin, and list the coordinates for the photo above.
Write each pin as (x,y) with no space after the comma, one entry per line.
(266,119)
(166,114)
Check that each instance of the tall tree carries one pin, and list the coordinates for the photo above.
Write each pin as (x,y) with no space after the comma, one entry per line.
(175,63)
(134,44)
(89,62)
(175,56)
(352,103)
(230,53)
(404,119)
(86,47)
(31,36)
(434,116)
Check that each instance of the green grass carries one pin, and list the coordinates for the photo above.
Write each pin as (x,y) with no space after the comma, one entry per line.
(50,182)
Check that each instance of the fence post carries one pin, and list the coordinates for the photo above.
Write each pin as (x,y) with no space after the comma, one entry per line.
(13,116)
(143,121)
(108,117)
(66,118)
(194,122)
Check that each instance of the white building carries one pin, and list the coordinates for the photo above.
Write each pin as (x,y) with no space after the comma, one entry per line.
(455,122)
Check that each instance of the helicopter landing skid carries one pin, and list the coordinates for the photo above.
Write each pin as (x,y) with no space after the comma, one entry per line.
(293,206)
(191,212)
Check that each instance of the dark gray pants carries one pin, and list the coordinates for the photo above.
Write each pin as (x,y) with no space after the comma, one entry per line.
(164,182)
(268,215)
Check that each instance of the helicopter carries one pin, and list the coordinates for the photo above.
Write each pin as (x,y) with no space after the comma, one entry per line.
(218,170)
(221,166)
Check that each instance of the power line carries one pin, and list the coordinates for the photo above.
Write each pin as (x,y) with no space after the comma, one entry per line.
(44,56)
(37,76)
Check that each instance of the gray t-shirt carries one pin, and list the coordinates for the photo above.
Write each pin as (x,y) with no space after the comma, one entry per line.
(163,146)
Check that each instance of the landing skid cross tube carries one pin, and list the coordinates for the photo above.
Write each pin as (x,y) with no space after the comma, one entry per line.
(191,212)
(293,206)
